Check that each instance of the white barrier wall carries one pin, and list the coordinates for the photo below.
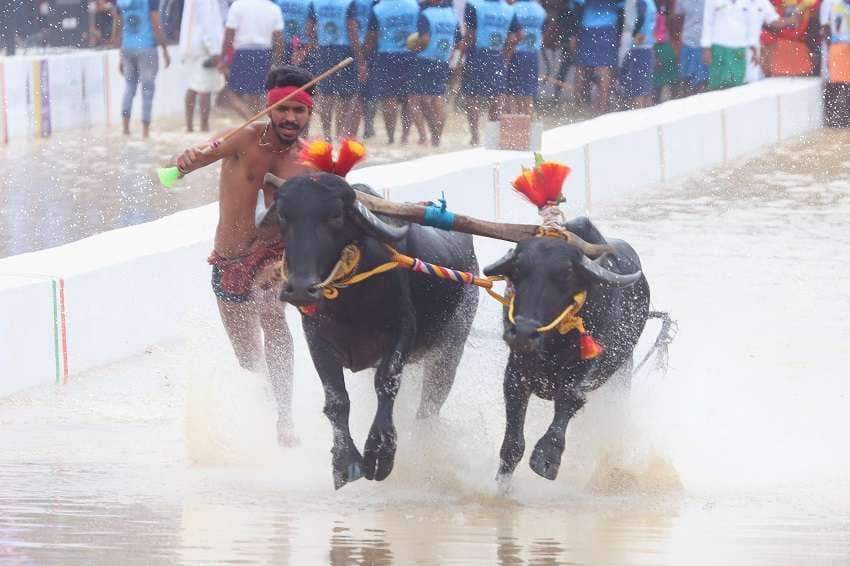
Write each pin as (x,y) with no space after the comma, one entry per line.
(71,308)
(41,94)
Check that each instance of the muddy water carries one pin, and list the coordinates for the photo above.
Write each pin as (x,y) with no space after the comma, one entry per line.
(737,455)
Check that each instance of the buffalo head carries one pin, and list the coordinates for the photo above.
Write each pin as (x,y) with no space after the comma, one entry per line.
(546,273)
(318,216)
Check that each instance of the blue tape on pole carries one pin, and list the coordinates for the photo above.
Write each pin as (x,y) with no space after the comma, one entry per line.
(439,216)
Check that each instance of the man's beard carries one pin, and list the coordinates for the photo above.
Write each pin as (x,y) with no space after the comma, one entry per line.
(285,141)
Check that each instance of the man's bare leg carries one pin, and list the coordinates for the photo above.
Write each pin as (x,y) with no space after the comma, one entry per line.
(280,362)
(190,109)
(243,328)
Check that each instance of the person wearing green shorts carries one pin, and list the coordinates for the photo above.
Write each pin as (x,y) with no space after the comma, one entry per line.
(727,66)
(728,31)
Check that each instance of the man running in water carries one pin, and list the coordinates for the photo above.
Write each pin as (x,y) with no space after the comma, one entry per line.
(243,257)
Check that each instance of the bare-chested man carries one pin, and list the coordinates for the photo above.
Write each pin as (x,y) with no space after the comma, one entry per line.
(243,255)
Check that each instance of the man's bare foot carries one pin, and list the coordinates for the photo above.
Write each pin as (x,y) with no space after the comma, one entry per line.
(146,131)
(423,141)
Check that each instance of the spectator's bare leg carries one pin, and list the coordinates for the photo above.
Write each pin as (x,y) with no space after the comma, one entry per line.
(390,110)
(473,111)
(605,78)
(235,102)
(327,105)
(191,96)
(206,102)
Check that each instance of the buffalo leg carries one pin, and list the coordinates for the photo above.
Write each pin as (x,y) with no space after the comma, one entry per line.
(441,370)
(379,452)
(516,393)
(346,459)
(546,457)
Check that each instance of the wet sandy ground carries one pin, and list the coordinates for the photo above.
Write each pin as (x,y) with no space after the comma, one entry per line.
(737,455)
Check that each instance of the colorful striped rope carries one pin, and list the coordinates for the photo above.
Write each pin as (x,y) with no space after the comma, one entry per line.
(464,277)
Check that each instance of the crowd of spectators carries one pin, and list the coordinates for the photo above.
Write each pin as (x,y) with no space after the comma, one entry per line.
(516,56)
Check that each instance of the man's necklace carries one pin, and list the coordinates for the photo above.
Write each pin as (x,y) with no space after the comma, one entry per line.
(268,146)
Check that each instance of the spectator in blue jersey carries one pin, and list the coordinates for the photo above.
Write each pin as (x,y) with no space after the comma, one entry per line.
(636,75)
(254,31)
(391,24)
(332,29)
(693,74)
(365,102)
(294,14)
(597,47)
(138,32)
(438,33)
(492,31)
(524,65)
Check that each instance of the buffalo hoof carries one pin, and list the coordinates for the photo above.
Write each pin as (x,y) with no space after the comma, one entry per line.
(347,465)
(546,458)
(379,454)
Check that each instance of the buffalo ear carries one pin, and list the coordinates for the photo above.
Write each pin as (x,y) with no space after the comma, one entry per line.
(504,266)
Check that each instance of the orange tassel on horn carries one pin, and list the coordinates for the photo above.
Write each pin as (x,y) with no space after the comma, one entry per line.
(350,153)
(543,184)
(319,154)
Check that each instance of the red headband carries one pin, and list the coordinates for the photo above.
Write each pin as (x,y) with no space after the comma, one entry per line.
(278,93)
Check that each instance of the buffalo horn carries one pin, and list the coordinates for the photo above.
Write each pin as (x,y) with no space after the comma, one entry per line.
(269,219)
(606,276)
(375,226)
(501,266)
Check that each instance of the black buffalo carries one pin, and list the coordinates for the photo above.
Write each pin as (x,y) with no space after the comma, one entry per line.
(383,322)
(545,274)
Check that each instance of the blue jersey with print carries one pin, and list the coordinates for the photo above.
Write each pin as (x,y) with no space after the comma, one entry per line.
(531,16)
(493,19)
(600,13)
(331,17)
(395,21)
(442,27)
(295,14)
(137,30)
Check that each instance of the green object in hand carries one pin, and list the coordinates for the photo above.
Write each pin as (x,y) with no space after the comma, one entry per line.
(168,176)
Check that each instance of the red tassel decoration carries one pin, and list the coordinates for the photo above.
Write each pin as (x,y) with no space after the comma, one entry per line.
(589,347)
(543,184)
(350,153)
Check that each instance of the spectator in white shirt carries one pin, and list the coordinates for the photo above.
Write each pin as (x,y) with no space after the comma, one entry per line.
(201,36)
(254,29)
(727,33)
